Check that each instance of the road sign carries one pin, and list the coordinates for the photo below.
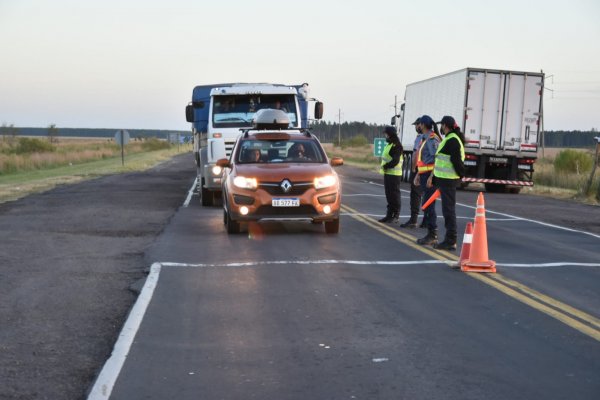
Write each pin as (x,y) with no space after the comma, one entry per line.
(122,137)
(378,146)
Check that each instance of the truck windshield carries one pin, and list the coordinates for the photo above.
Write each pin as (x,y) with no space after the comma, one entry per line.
(279,151)
(237,111)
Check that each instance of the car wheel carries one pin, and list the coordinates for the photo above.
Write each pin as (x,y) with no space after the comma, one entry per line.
(232,226)
(332,226)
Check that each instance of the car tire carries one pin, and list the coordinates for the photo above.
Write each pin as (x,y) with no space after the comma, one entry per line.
(233,227)
(332,227)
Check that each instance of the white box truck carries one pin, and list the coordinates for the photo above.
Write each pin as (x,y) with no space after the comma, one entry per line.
(500,113)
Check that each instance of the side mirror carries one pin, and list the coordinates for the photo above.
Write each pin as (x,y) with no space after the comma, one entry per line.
(318,110)
(336,161)
(393,122)
(189,113)
(223,163)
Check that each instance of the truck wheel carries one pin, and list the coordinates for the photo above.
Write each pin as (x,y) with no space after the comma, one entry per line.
(332,226)
(233,227)
(514,190)
(206,196)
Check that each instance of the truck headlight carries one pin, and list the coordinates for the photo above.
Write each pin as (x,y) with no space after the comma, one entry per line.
(245,183)
(216,170)
(325,181)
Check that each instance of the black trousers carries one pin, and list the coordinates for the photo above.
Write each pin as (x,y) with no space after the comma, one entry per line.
(415,197)
(447,189)
(429,215)
(391,184)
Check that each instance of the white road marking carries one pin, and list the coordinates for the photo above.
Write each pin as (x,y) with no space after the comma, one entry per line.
(363,194)
(564,228)
(190,193)
(110,372)
(439,217)
(305,262)
(546,265)
(378,360)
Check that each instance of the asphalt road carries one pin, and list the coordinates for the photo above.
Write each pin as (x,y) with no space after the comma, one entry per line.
(285,311)
(310,315)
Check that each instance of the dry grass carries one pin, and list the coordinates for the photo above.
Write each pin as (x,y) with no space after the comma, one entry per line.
(66,152)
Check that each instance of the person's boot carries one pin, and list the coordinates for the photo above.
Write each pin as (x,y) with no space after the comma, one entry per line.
(423,223)
(411,223)
(395,218)
(429,239)
(387,218)
(448,244)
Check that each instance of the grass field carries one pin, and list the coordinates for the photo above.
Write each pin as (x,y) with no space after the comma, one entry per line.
(78,160)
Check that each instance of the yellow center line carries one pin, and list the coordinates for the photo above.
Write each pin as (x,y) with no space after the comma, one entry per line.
(541,302)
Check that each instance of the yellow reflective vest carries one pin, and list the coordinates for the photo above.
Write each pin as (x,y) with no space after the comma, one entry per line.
(386,158)
(443,167)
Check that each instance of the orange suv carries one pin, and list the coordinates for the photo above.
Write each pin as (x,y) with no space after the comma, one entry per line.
(280,175)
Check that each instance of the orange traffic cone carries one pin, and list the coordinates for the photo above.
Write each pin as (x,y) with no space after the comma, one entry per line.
(478,258)
(465,250)
(431,199)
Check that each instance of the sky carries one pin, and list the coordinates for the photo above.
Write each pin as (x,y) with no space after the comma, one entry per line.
(133,64)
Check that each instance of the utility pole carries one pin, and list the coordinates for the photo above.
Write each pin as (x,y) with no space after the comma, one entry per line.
(339,127)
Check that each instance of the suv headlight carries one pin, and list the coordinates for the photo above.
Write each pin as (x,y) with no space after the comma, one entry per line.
(245,183)
(216,170)
(325,181)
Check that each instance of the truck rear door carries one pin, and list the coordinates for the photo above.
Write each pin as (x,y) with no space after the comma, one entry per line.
(521,112)
(503,111)
(484,109)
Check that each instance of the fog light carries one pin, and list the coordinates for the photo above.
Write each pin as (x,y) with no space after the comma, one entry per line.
(326,209)
(244,210)
(216,170)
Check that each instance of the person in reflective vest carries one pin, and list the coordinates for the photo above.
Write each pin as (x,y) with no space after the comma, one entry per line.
(415,191)
(448,170)
(391,168)
(425,163)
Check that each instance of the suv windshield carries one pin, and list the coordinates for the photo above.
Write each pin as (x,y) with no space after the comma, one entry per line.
(237,111)
(253,151)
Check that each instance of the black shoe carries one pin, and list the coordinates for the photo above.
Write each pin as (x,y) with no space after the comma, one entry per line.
(429,239)
(411,223)
(445,245)
(422,224)
(385,219)
(394,220)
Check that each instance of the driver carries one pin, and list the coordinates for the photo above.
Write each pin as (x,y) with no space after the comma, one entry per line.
(297,152)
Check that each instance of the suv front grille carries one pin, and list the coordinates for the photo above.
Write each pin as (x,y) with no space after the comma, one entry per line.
(274,188)
(288,211)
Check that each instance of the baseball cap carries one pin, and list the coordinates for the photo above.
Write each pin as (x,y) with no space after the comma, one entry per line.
(417,121)
(427,120)
(448,121)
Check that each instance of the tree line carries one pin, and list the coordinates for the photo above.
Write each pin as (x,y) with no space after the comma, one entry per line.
(326,131)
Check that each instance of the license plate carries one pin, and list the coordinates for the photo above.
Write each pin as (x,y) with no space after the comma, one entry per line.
(285,202)
(499,160)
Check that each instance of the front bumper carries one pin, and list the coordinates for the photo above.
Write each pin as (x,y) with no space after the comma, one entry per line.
(261,209)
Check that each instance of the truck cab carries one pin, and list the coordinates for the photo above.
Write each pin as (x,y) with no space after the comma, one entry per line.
(218,112)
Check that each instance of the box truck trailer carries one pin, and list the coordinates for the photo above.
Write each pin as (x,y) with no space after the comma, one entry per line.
(218,112)
(500,113)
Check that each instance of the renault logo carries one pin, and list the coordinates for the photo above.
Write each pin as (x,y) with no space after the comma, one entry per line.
(286,185)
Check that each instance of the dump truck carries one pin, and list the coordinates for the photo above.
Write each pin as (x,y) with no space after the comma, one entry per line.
(499,111)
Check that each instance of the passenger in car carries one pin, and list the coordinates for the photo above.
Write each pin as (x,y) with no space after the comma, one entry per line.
(252,156)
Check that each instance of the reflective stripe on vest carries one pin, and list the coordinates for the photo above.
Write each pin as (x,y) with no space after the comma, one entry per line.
(386,158)
(421,166)
(443,165)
